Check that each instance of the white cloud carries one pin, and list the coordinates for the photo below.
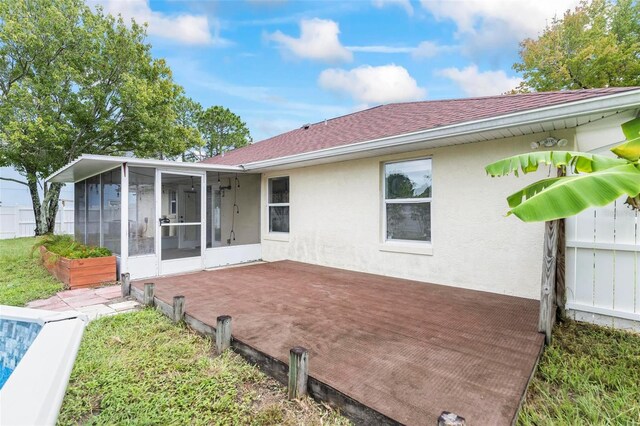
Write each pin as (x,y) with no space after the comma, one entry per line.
(426,49)
(318,40)
(373,85)
(184,28)
(480,83)
(381,49)
(405,4)
(506,18)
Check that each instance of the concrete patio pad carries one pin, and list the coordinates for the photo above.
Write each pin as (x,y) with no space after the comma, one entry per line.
(94,302)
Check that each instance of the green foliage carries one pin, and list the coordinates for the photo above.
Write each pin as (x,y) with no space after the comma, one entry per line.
(595,45)
(596,180)
(140,368)
(630,150)
(76,81)
(65,246)
(22,276)
(222,131)
(589,375)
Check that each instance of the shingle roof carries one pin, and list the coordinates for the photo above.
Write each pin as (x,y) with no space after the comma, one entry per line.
(400,118)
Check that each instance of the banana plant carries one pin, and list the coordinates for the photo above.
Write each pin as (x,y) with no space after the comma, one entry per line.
(594,181)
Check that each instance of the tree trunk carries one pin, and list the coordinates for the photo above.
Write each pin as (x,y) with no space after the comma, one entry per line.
(50,204)
(44,212)
(32,183)
(561,290)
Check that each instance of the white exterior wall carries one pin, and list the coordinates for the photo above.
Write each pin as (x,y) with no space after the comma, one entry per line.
(336,211)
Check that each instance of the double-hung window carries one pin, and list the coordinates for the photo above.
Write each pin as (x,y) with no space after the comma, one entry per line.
(278,204)
(407,200)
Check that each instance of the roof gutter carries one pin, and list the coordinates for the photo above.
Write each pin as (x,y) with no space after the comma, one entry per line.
(601,104)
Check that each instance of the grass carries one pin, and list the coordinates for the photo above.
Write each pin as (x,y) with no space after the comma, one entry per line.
(22,276)
(589,375)
(140,368)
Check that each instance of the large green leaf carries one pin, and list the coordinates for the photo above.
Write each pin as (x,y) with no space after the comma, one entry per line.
(580,162)
(561,197)
(630,149)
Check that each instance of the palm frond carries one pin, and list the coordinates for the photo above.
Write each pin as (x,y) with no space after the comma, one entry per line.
(557,198)
(579,162)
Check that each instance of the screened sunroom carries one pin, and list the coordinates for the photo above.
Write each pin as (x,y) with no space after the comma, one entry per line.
(165,217)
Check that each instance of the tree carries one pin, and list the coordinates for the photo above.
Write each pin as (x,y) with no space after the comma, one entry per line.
(596,180)
(595,45)
(188,113)
(222,131)
(75,81)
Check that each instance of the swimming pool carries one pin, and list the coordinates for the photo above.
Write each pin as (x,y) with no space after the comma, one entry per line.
(37,352)
(15,339)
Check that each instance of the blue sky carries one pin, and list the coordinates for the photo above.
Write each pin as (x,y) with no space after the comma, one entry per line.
(280,64)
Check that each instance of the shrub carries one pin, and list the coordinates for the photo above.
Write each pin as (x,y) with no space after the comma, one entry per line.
(65,246)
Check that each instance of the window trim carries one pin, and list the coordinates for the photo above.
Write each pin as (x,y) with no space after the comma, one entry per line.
(280,235)
(173,203)
(400,245)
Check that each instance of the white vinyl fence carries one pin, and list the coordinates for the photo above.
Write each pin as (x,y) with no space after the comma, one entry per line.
(18,221)
(602,266)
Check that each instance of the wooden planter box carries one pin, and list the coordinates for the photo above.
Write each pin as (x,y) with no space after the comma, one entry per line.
(78,273)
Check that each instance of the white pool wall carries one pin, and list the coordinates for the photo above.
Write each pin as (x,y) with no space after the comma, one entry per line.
(34,392)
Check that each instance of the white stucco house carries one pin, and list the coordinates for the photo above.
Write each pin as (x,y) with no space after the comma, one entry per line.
(397,190)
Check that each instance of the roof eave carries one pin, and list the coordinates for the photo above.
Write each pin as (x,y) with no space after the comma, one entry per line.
(616,101)
(106,162)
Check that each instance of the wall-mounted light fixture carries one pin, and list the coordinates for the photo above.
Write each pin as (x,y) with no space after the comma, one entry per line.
(549,142)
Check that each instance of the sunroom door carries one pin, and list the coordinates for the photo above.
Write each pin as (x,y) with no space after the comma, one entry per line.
(181,206)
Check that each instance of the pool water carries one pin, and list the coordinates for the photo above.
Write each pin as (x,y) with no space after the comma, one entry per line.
(15,339)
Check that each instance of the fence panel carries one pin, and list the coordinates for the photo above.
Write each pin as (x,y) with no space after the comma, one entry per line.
(602,274)
(19,221)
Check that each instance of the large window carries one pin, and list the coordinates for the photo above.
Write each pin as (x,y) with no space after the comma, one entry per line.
(407,200)
(111,229)
(80,214)
(93,211)
(97,210)
(142,208)
(278,204)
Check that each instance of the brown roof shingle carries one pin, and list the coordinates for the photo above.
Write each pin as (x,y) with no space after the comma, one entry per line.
(400,118)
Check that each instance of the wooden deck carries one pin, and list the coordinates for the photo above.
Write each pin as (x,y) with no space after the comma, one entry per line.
(408,350)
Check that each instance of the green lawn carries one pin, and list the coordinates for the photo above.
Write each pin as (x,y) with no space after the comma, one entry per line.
(140,368)
(22,277)
(589,375)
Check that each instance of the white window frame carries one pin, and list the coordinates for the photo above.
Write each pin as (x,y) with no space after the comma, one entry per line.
(392,244)
(173,202)
(270,204)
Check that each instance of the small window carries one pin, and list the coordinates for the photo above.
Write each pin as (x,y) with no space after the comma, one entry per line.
(278,204)
(173,202)
(407,200)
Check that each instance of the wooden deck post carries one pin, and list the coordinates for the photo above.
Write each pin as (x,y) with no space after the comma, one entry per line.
(298,372)
(561,288)
(148,294)
(125,286)
(223,333)
(548,282)
(178,308)
(451,419)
